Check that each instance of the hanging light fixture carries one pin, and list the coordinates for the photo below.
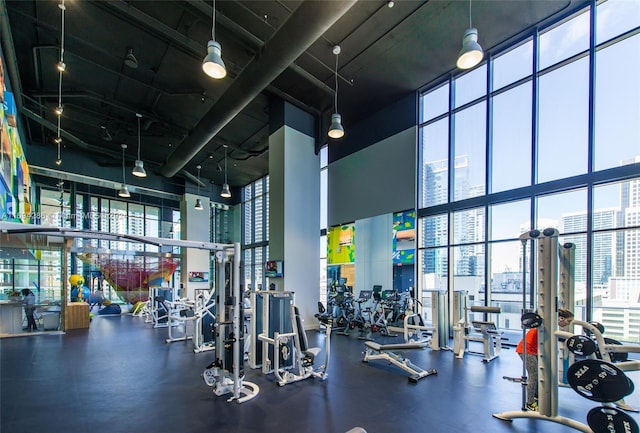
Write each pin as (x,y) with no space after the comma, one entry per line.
(130,60)
(336,130)
(105,135)
(138,169)
(124,191)
(61,66)
(198,205)
(226,192)
(212,65)
(471,53)
(58,142)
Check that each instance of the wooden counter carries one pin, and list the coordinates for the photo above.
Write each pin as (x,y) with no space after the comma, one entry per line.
(76,315)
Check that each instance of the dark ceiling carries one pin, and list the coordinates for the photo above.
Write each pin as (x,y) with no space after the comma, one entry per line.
(271,49)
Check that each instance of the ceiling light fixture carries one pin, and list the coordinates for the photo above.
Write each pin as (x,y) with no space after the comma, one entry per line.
(130,60)
(58,158)
(226,192)
(138,169)
(105,135)
(61,68)
(471,53)
(124,191)
(198,205)
(212,65)
(336,130)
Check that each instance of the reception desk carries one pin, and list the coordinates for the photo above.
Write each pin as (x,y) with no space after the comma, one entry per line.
(76,315)
(11,317)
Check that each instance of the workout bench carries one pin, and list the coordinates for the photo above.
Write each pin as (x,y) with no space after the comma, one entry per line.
(386,352)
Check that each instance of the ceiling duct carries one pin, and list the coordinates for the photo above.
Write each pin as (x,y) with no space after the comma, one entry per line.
(303,27)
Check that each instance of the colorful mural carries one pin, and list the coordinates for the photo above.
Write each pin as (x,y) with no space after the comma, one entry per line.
(17,197)
(404,237)
(132,276)
(341,246)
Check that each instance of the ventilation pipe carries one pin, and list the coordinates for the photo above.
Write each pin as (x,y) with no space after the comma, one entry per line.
(303,27)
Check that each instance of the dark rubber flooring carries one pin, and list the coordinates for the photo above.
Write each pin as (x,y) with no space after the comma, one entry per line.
(120,376)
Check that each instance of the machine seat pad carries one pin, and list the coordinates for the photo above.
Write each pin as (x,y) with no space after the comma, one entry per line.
(313,351)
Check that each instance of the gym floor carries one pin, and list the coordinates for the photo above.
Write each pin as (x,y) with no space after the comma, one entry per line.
(120,376)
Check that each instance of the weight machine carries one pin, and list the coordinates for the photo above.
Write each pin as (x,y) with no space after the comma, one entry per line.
(226,373)
(180,313)
(205,322)
(285,350)
(547,301)
(481,331)
(414,328)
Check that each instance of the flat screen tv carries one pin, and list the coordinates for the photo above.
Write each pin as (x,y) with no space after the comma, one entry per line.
(273,269)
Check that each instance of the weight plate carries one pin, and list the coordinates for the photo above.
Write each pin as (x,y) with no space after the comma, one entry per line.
(581,345)
(616,356)
(610,420)
(531,320)
(598,380)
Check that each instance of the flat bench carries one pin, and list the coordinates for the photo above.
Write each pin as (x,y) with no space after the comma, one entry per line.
(387,352)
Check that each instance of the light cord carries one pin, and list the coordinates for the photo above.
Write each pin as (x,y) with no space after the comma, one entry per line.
(124,182)
(139,137)
(213,24)
(336,92)
(225,164)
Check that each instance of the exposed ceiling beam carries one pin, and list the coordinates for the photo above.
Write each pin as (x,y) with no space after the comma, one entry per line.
(310,21)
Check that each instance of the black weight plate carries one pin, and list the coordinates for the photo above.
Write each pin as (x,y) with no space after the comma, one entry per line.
(531,320)
(598,380)
(581,345)
(610,420)
(616,356)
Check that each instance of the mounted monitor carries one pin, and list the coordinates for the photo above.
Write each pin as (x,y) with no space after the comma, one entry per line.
(273,269)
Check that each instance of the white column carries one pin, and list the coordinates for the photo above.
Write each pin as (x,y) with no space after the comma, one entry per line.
(194,227)
(294,215)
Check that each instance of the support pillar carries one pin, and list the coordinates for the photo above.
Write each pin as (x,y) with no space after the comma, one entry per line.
(195,226)
(294,205)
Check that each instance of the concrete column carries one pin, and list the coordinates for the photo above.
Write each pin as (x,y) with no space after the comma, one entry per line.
(194,227)
(294,206)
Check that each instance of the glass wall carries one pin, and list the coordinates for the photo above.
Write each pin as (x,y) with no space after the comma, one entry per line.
(255,232)
(543,134)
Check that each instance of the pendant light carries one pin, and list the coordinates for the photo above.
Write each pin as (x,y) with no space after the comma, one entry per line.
(130,60)
(226,193)
(471,53)
(58,142)
(198,205)
(61,66)
(212,65)
(138,169)
(124,191)
(336,130)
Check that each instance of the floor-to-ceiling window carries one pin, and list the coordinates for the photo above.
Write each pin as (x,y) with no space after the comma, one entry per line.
(255,232)
(101,214)
(542,134)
